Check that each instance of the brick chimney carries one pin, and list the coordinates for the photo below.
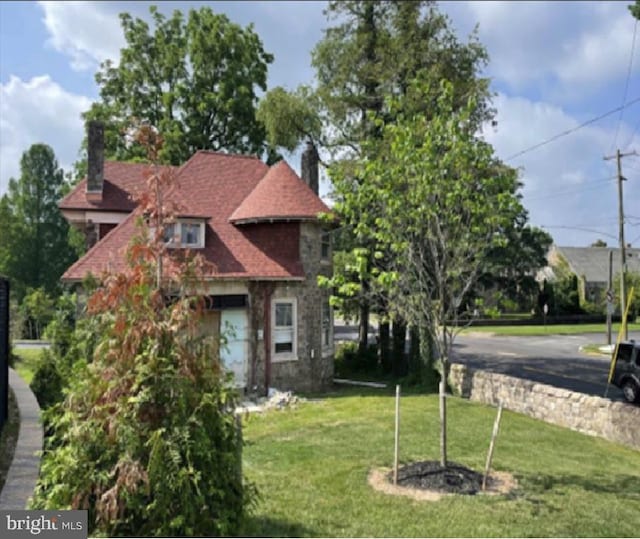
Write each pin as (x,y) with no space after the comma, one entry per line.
(95,160)
(309,166)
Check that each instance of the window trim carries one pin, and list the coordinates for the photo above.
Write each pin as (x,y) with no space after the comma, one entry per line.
(277,357)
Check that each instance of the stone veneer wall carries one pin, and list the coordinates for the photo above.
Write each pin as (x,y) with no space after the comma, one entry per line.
(615,421)
(313,369)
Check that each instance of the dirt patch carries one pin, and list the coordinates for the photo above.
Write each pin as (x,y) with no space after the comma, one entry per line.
(426,481)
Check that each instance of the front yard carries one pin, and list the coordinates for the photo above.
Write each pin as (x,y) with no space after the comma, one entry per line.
(311,463)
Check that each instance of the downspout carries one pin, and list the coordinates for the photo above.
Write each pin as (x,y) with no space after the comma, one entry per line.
(268,292)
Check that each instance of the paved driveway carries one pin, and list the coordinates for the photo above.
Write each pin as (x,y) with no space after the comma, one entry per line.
(554,360)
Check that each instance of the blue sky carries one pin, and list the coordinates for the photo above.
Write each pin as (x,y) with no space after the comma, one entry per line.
(554,65)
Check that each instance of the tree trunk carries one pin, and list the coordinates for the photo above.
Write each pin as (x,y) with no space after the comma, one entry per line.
(398,356)
(443,420)
(384,349)
(426,372)
(363,331)
(414,349)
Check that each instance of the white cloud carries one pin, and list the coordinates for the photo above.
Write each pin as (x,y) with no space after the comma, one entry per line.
(38,111)
(566,183)
(573,48)
(88,32)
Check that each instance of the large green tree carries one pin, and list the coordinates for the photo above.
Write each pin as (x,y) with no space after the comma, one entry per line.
(510,267)
(372,51)
(195,79)
(34,244)
(442,200)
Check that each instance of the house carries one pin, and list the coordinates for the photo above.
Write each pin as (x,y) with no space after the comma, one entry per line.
(258,227)
(591,267)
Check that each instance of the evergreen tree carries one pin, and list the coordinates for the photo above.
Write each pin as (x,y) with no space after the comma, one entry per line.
(34,246)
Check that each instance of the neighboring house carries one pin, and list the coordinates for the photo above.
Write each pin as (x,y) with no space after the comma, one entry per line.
(258,226)
(590,265)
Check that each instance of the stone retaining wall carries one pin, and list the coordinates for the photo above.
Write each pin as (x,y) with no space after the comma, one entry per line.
(615,421)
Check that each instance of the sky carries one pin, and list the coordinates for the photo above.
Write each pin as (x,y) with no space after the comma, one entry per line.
(555,67)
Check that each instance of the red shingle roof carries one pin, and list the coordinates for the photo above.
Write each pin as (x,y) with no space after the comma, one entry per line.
(280,195)
(218,186)
(122,182)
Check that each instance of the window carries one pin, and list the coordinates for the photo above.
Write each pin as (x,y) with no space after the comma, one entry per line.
(327,326)
(184,233)
(169,234)
(325,246)
(284,329)
(190,234)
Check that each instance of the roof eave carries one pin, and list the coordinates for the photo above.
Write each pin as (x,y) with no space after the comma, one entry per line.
(273,219)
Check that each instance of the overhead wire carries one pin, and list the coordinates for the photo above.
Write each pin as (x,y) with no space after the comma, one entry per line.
(575,189)
(573,129)
(580,228)
(588,182)
(626,85)
(633,133)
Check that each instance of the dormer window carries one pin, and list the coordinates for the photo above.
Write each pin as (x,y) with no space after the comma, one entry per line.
(190,234)
(184,233)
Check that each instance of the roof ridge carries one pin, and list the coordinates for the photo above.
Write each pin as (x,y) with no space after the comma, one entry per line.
(254,157)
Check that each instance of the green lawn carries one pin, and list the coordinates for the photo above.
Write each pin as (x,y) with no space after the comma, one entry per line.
(560,329)
(26,363)
(311,463)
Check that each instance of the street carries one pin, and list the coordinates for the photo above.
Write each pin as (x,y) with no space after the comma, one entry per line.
(554,360)
(551,359)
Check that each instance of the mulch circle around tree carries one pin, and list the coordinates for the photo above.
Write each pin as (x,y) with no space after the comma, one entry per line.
(429,475)
(428,481)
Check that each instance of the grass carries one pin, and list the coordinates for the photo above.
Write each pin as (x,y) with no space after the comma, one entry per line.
(594,349)
(560,329)
(26,361)
(310,465)
(9,438)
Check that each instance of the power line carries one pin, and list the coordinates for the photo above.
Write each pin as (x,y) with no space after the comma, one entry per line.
(577,189)
(626,85)
(580,228)
(632,135)
(588,182)
(572,130)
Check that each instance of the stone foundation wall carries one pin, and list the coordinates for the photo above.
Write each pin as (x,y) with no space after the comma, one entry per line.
(614,421)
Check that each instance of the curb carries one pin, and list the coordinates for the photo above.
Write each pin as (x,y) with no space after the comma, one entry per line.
(25,466)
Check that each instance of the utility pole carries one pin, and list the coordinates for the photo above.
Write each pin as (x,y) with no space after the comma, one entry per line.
(623,257)
(610,297)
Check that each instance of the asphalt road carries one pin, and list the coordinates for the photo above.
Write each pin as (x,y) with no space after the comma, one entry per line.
(554,360)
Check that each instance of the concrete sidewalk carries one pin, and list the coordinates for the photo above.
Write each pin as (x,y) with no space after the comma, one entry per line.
(23,473)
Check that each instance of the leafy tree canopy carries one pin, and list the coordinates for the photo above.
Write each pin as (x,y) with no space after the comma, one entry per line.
(195,79)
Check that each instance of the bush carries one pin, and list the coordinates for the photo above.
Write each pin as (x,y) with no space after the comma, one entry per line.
(348,360)
(48,380)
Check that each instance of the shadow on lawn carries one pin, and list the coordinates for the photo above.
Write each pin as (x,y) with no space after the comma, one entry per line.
(272,527)
(627,485)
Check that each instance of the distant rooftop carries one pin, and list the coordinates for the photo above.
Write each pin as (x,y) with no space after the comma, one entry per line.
(593,262)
